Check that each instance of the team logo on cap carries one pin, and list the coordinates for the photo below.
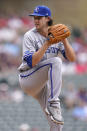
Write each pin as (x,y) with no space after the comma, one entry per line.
(36,10)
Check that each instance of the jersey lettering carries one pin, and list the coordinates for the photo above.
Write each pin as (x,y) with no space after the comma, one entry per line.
(52,50)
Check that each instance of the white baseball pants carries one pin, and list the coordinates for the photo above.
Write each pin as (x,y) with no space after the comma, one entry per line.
(43,82)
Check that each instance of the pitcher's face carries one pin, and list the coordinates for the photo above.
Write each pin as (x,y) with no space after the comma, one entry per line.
(40,22)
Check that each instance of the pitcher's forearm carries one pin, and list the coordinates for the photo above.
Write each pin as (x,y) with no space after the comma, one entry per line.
(37,56)
(70,54)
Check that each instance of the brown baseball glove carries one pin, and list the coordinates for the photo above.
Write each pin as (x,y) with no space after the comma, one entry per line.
(57,33)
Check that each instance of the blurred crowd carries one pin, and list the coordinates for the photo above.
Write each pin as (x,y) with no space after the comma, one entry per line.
(78,41)
(12,29)
(75,99)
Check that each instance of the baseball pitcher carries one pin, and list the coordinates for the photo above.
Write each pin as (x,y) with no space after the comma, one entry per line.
(40,72)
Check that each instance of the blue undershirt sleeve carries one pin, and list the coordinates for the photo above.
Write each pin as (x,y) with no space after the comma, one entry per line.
(28,58)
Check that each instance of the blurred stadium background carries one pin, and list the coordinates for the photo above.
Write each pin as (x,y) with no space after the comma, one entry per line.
(19,112)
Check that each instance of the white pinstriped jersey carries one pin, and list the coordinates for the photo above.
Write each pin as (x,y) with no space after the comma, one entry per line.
(33,41)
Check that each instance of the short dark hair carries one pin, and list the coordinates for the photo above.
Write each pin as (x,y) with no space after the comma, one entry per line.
(50,23)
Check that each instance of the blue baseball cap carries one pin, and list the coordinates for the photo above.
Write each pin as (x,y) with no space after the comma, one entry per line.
(41,10)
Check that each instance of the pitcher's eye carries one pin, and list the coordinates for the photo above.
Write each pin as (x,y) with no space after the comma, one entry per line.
(37,17)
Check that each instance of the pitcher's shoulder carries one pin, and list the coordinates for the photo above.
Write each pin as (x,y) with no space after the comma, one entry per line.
(30,32)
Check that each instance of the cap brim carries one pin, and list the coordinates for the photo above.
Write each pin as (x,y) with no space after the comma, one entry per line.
(35,14)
